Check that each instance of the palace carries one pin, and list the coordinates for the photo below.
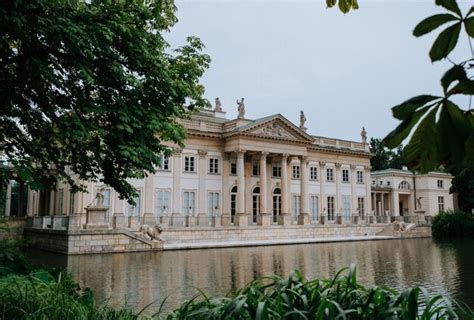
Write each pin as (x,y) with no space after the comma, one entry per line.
(240,172)
(239,182)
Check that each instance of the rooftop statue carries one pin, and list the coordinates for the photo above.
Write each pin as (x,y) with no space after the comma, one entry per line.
(218,106)
(363,134)
(302,121)
(241,108)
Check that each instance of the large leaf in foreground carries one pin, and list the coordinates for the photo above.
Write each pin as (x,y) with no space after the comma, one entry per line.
(445,42)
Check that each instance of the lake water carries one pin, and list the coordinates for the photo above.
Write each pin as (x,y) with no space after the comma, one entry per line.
(136,279)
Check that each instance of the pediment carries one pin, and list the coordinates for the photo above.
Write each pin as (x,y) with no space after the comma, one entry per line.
(276,127)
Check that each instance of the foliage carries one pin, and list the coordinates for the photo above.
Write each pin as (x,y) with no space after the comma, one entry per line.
(344,5)
(453,224)
(297,298)
(463,185)
(11,259)
(441,133)
(91,90)
(384,158)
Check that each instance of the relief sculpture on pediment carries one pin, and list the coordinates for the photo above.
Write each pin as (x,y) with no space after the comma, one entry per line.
(274,130)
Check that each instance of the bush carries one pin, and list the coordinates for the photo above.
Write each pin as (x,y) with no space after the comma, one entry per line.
(339,298)
(453,224)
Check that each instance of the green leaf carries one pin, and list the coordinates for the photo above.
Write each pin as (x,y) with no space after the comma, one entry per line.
(355,4)
(450,5)
(331,3)
(469,25)
(345,5)
(469,155)
(456,73)
(406,109)
(471,11)
(396,137)
(445,42)
(464,87)
(421,153)
(433,22)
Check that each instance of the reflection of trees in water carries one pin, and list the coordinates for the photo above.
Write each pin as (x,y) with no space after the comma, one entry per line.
(152,276)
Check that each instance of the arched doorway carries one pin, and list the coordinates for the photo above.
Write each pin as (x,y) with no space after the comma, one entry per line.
(255,203)
(276,204)
(233,203)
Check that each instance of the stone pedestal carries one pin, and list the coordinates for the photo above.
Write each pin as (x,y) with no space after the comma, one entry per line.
(322,220)
(120,221)
(165,220)
(96,218)
(241,220)
(339,220)
(421,216)
(149,219)
(216,221)
(226,220)
(190,221)
(355,219)
(303,219)
(285,219)
(264,220)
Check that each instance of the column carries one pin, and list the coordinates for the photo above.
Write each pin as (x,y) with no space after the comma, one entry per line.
(52,203)
(177,218)
(241,219)
(285,218)
(264,219)
(148,216)
(368,198)
(225,191)
(202,192)
(354,205)
(322,192)
(338,177)
(120,221)
(382,200)
(395,204)
(303,218)
(8,199)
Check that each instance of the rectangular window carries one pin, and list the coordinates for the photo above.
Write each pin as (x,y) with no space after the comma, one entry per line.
(295,206)
(331,208)
(164,163)
(189,164)
(162,203)
(296,172)
(440,204)
(360,177)
(72,202)
(213,165)
(314,208)
(135,210)
(330,174)
(189,203)
(345,175)
(313,173)
(233,168)
(60,202)
(255,169)
(276,170)
(346,206)
(213,204)
(440,184)
(360,206)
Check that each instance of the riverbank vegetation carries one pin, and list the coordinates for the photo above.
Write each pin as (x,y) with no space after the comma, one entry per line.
(453,225)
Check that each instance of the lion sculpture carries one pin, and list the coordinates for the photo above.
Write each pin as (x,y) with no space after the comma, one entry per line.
(399,226)
(151,233)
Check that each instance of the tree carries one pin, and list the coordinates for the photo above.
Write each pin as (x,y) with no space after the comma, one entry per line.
(463,185)
(91,90)
(384,158)
(442,134)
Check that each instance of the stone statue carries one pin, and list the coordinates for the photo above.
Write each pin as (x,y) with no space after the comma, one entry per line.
(241,108)
(399,226)
(151,233)
(363,134)
(302,121)
(99,198)
(218,105)
(418,203)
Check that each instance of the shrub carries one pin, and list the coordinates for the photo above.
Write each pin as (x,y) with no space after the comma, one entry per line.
(339,298)
(453,224)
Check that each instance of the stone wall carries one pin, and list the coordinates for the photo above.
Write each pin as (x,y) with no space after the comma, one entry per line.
(87,242)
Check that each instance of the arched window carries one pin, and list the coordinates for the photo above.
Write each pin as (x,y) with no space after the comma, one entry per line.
(255,203)
(233,203)
(276,204)
(404,185)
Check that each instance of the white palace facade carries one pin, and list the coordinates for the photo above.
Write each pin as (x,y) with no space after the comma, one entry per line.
(239,172)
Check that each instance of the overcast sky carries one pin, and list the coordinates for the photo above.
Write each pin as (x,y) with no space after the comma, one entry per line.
(344,71)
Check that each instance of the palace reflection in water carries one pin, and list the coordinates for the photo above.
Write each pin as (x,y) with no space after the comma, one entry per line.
(140,278)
